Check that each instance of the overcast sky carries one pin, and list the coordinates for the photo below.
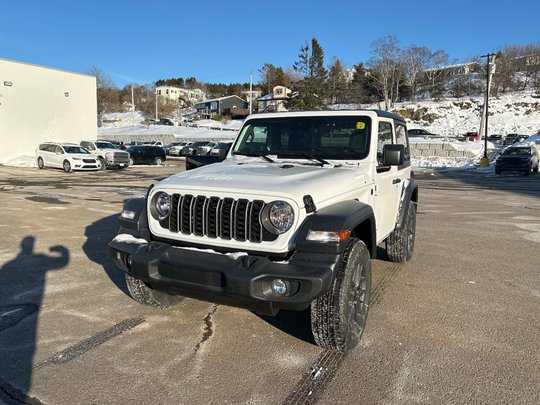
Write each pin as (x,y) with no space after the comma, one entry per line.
(221,41)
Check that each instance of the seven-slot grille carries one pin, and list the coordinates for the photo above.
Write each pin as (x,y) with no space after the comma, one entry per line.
(216,217)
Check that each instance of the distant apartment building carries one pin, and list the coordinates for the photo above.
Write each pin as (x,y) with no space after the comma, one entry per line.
(180,95)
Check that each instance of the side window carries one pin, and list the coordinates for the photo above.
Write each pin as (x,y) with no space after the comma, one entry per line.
(59,150)
(384,138)
(401,139)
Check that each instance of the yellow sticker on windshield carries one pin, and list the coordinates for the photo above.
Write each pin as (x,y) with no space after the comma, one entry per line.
(360,125)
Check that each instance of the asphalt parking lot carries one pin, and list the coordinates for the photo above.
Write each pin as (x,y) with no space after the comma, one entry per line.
(457,324)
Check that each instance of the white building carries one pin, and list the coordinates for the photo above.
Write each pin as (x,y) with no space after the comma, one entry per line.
(39,104)
(178,94)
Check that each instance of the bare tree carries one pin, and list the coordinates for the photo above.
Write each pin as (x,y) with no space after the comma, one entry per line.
(107,95)
(386,68)
(415,60)
(435,73)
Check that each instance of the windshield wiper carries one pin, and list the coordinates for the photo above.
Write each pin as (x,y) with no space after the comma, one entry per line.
(261,155)
(303,155)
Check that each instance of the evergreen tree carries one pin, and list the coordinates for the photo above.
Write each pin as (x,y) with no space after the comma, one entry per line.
(337,76)
(309,93)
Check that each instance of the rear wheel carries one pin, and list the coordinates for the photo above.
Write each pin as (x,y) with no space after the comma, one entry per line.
(158,161)
(130,161)
(40,163)
(339,316)
(67,166)
(147,296)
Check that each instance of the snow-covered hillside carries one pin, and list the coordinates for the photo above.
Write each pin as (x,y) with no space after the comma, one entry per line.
(509,113)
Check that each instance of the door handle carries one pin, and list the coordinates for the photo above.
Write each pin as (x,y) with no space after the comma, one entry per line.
(396,181)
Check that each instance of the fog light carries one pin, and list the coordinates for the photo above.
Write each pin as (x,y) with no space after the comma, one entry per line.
(128,261)
(280,287)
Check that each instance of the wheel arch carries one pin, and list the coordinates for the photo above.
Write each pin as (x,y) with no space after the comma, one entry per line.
(410,194)
(350,215)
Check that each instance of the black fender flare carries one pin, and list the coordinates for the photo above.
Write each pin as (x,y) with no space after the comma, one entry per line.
(410,195)
(138,225)
(345,215)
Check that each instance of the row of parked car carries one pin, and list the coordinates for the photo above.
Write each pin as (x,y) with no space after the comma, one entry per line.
(101,155)
(96,155)
(198,148)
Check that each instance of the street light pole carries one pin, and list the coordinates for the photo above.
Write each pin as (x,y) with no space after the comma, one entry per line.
(486,107)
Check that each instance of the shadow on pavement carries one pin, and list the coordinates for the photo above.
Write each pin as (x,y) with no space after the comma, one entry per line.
(22,285)
(98,235)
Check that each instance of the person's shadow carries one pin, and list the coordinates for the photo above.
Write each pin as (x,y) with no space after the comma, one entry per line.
(22,284)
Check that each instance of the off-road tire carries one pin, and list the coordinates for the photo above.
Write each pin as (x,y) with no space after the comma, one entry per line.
(400,243)
(339,316)
(140,292)
(40,163)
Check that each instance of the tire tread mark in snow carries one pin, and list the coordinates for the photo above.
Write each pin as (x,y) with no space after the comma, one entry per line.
(323,369)
(91,343)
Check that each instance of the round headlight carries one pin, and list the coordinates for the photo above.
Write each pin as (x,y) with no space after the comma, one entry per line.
(281,216)
(163,204)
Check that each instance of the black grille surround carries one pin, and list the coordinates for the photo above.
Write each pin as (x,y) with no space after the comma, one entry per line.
(215,217)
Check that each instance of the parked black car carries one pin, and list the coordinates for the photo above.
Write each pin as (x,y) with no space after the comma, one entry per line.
(420,132)
(523,159)
(496,138)
(165,121)
(152,155)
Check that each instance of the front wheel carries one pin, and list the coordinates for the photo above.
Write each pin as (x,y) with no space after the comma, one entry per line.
(40,163)
(67,166)
(400,243)
(158,161)
(140,292)
(102,161)
(339,316)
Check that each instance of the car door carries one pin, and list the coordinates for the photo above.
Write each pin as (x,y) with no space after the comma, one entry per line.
(387,184)
(57,157)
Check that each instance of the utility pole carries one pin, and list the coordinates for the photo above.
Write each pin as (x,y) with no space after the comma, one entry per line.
(250,91)
(484,121)
(156,104)
(132,108)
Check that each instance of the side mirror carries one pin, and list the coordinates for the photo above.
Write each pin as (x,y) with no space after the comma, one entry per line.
(393,155)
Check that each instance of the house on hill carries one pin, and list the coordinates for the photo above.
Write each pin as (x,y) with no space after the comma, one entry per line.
(232,106)
(274,101)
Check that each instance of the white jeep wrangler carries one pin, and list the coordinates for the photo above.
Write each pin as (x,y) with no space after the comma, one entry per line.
(289,220)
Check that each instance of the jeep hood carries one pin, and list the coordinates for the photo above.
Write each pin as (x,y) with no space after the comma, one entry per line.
(280,179)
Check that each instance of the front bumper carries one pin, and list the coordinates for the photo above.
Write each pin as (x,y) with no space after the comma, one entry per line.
(234,279)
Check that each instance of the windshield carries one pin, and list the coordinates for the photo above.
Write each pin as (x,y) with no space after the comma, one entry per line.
(106,145)
(328,137)
(75,149)
(517,151)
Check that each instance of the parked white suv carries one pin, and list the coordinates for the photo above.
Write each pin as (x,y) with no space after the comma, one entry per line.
(289,220)
(67,156)
(108,154)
